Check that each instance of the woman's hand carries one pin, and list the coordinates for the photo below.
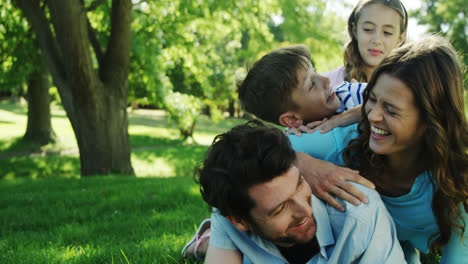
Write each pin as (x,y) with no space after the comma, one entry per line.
(326,179)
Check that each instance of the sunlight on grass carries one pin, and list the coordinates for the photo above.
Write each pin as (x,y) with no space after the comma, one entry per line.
(157,166)
(195,190)
(70,252)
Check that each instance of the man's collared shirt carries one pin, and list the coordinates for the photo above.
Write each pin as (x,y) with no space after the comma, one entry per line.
(361,234)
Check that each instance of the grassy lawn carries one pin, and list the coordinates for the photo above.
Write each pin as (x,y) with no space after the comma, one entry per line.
(50,215)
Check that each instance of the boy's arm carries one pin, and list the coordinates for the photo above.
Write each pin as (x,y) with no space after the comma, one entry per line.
(326,179)
(346,118)
(219,255)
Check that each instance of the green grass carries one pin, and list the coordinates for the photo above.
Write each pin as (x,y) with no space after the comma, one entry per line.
(94,220)
(50,215)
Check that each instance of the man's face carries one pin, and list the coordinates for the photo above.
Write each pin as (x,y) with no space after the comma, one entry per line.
(283,211)
(314,96)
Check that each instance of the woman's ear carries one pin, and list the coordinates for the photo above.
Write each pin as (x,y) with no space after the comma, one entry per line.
(240,224)
(401,39)
(290,119)
(354,30)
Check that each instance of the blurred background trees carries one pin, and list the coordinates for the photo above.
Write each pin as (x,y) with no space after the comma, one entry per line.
(450,19)
(183,56)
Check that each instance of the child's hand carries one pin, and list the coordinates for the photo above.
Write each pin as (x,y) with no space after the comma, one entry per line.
(309,128)
(346,118)
(297,130)
(313,125)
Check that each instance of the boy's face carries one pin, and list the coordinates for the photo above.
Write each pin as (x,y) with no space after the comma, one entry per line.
(314,96)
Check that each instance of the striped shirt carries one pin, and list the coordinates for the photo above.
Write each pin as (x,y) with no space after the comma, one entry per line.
(350,95)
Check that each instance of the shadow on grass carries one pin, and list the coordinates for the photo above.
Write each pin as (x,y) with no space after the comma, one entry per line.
(205,125)
(6,122)
(40,167)
(94,220)
(20,109)
(152,121)
(153,141)
(14,107)
(18,145)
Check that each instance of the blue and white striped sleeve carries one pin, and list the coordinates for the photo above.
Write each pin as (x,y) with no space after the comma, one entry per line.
(350,94)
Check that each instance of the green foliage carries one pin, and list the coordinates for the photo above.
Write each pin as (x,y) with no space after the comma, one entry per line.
(185,110)
(18,50)
(449,18)
(199,48)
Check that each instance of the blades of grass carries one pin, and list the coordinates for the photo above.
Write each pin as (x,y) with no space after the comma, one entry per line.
(128,262)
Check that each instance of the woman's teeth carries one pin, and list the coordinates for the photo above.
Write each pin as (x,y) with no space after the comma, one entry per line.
(379,131)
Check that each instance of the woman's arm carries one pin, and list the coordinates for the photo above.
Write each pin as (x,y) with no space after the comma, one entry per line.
(456,250)
(326,179)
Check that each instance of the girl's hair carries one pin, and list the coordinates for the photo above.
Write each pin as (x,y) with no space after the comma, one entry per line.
(431,70)
(352,58)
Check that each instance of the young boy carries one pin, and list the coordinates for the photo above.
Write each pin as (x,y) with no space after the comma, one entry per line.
(283,88)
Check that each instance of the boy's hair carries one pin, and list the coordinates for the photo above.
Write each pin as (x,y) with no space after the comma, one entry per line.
(352,58)
(266,91)
(246,155)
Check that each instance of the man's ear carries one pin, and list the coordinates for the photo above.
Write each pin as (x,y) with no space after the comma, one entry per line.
(290,119)
(240,224)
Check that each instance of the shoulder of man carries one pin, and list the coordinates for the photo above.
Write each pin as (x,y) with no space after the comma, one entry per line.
(364,212)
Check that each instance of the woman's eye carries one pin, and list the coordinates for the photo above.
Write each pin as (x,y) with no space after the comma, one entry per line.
(388,33)
(368,29)
(389,111)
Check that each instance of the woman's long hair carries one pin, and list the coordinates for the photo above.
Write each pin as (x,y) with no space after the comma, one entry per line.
(352,58)
(431,69)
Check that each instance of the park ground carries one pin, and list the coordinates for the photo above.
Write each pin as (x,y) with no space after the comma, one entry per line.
(51,215)
(48,214)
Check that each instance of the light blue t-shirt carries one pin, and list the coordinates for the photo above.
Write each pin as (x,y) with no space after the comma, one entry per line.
(362,234)
(412,212)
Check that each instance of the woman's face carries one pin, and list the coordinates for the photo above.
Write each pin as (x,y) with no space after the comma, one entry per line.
(395,122)
(377,32)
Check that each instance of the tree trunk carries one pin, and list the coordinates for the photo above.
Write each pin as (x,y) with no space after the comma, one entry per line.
(102,137)
(95,99)
(39,129)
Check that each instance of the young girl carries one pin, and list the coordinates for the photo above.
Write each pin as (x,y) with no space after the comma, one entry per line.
(375,27)
(412,143)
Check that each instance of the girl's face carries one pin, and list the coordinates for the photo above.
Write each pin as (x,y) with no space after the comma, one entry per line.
(395,123)
(377,32)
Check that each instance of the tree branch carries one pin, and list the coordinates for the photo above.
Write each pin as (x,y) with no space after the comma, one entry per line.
(69,20)
(38,21)
(117,57)
(95,42)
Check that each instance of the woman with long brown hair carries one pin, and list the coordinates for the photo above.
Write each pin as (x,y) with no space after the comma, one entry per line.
(412,143)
